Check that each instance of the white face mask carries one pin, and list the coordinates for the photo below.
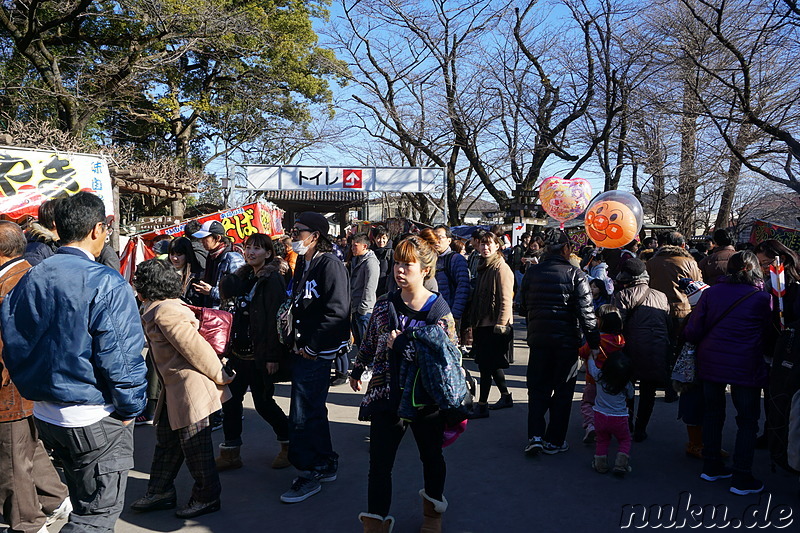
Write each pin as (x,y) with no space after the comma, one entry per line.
(299,247)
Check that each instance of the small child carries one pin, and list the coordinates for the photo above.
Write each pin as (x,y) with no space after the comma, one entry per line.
(600,294)
(614,388)
(611,340)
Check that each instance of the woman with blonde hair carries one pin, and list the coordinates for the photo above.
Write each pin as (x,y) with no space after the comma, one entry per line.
(387,347)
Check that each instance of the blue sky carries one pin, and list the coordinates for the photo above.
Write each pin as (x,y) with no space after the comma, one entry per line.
(331,155)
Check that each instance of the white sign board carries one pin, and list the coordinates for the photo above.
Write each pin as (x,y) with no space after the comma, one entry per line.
(516,232)
(366,179)
(30,177)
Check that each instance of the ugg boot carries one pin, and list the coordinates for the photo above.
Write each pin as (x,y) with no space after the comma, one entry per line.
(282,459)
(600,463)
(376,524)
(694,448)
(229,458)
(622,464)
(432,513)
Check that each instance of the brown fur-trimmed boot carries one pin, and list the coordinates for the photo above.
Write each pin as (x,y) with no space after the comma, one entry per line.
(622,464)
(282,459)
(376,524)
(229,458)
(432,513)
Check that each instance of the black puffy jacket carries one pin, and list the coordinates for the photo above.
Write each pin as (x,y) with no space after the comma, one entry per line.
(558,303)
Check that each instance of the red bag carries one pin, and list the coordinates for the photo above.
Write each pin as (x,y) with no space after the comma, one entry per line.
(215,327)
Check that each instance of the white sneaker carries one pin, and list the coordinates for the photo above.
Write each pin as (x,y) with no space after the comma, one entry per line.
(61,513)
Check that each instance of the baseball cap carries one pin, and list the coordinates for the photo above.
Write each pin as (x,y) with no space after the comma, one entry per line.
(212,227)
(315,222)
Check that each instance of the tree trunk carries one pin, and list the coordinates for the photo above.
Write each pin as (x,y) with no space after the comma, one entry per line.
(687,180)
(732,178)
(177,208)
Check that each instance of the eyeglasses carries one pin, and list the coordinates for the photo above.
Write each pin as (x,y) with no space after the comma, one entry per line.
(296,231)
(109,225)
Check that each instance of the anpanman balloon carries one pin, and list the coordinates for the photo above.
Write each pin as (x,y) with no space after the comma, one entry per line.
(565,199)
(613,219)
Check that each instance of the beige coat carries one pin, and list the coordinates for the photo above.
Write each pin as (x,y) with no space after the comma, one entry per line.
(189,368)
(493,297)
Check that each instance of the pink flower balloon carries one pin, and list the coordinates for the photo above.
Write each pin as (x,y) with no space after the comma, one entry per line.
(565,199)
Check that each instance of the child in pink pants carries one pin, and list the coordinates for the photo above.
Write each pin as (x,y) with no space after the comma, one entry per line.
(614,388)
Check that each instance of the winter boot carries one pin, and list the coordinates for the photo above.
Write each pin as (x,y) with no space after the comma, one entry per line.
(600,463)
(229,458)
(282,459)
(432,513)
(479,410)
(376,524)
(694,448)
(504,402)
(621,464)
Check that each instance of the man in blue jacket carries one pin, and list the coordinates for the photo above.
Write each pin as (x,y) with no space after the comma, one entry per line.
(73,344)
(452,275)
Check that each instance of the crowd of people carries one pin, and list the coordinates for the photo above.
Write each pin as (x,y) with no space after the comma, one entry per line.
(83,362)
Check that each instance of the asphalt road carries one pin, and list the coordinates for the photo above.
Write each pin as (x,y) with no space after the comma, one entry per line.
(491,485)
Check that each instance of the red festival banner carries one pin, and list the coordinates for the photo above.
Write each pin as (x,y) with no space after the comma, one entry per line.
(239,222)
(763,230)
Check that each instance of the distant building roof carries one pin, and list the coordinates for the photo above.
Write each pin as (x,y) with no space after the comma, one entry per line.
(322,201)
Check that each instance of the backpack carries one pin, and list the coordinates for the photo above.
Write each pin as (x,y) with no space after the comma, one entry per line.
(784,384)
(451,282)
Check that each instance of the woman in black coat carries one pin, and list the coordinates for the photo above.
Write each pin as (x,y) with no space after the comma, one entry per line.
(256,354)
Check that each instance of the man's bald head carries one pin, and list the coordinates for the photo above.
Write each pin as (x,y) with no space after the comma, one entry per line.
(12,241)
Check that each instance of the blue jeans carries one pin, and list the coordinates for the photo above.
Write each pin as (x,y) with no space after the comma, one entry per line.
(309,432)
(359,325)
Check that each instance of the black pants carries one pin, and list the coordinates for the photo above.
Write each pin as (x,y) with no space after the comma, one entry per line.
(647,400)
(551,377)
(263,389)
(96,461)
(747,401)
(385,433)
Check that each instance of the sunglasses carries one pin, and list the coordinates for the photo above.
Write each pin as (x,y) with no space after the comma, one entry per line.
(297,231)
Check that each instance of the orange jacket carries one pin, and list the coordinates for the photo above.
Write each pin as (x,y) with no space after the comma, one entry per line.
(608,344)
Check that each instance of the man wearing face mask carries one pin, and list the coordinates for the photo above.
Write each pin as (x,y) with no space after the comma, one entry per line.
(321,331)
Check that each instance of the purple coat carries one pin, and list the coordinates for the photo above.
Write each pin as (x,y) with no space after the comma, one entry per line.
(733,351)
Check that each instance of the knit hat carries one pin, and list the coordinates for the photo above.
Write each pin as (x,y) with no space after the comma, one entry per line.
(556,237)
(693,289)
(314,222)
(633,269)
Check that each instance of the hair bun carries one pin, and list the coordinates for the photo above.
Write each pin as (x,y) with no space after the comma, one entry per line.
(429,237)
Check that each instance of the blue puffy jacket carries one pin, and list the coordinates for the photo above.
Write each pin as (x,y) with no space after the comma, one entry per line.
(452,276)
(73,335)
